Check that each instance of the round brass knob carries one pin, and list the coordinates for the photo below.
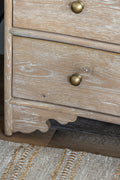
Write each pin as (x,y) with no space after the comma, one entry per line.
(75,79)
(77,6)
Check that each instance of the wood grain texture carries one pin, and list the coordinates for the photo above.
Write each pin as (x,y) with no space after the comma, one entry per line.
(66,39)
(41,71)
(8,67)
(69,110)
(35,138)
(100,20)
(29,119)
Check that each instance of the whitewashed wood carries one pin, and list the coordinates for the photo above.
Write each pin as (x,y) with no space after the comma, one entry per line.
(29,119)
(41,71)
(69,110)
(66,39)
(8,67)
(99,20)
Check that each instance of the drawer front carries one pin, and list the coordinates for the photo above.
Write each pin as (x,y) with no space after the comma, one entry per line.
(42,71)
(99,20)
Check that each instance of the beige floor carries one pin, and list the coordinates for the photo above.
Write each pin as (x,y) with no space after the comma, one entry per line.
(83,135)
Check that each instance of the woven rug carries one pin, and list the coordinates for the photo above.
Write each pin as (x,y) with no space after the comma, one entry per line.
(23,161)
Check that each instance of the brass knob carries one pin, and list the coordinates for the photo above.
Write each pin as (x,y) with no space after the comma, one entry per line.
(77,6)
(75,79)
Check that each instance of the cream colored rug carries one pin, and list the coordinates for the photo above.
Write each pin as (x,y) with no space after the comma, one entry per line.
(23,161)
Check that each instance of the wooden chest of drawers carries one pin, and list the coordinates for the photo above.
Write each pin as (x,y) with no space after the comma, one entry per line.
(62,60)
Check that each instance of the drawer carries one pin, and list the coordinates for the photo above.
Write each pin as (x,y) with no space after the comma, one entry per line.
(99,20)
(42,71)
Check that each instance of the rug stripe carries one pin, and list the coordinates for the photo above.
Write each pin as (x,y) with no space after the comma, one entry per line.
(29,163)
(20,162)
(59,165)
(77,165)
(11,163)
(68,165)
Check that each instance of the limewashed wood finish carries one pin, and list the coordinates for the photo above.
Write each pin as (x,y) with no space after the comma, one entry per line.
(38,64)
(27,119)
(99,20)
(65,39)
(41,72)
(8,68)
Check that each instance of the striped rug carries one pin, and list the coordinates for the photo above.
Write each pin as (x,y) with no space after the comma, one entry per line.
(23,161)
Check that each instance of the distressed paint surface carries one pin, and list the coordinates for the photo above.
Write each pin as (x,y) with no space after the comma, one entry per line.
(99,20)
